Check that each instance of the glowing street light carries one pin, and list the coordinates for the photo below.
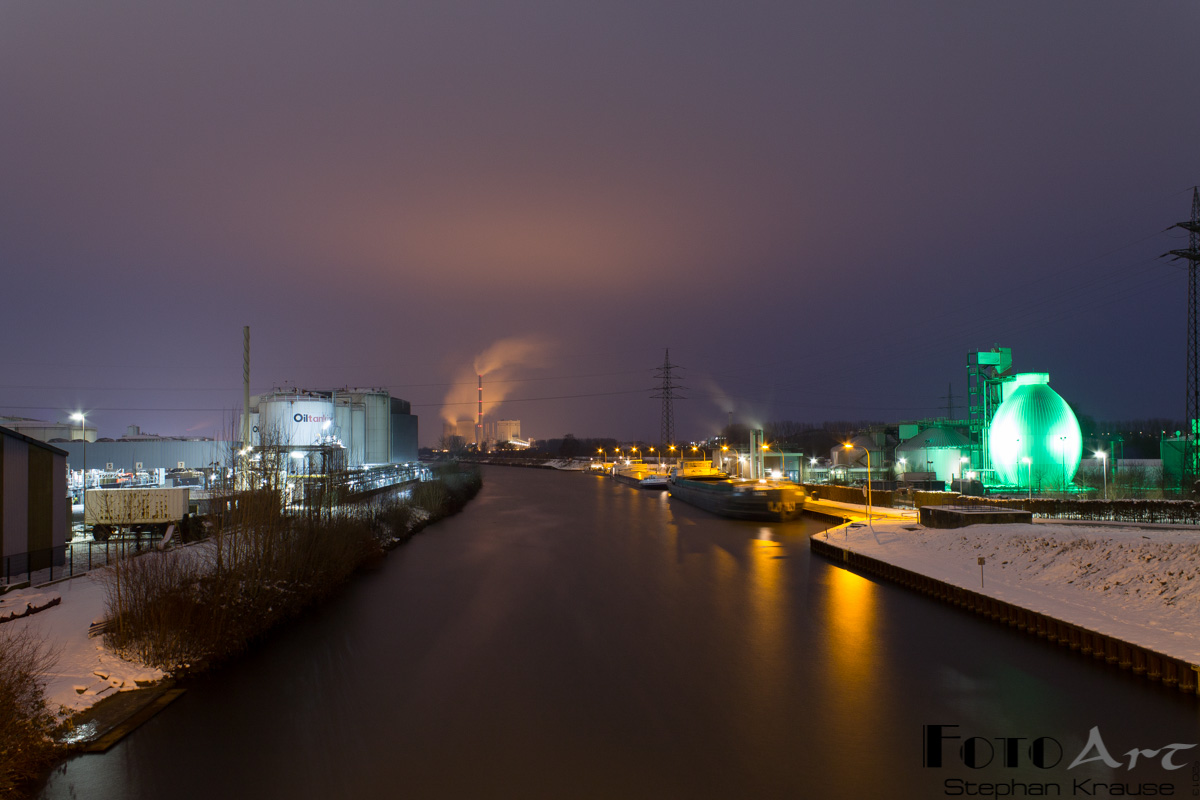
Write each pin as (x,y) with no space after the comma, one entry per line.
(82,418)
(782,459)
(850,446)
(1103,456)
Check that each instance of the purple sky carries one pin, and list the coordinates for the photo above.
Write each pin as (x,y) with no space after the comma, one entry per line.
(819,207)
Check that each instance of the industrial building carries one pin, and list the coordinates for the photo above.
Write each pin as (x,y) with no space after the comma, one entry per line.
(507,430)
(493,432)
(34,514)
(371,426)
(45,431)
(1019,434)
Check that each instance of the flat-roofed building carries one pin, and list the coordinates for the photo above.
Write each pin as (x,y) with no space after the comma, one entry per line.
(34,515)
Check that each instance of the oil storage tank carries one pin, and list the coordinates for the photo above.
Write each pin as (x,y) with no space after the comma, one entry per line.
(377,408)
(294,420)
(1034,438)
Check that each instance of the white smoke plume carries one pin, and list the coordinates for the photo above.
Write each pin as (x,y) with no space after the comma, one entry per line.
(499,364)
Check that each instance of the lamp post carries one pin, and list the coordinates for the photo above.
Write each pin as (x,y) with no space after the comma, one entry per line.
(1062,451)
(849,446)
(1104,470)
(782,460)
(83,473)
(1028,475)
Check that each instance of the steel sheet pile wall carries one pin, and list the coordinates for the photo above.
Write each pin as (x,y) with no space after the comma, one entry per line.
(1140,660)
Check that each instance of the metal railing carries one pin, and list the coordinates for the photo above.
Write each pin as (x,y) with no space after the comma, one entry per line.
(66,560)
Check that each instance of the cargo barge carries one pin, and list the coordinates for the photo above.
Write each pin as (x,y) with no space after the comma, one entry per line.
(760,501)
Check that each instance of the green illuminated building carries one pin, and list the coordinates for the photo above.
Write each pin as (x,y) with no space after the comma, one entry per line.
(1034,438)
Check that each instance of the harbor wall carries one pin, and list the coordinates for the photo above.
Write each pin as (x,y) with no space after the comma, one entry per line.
(1146,663)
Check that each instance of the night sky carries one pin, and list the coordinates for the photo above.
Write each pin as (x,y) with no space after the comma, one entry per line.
(819,207)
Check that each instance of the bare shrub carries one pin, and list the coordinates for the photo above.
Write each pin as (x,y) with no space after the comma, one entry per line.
(27,746)
(265,562)
(178,612)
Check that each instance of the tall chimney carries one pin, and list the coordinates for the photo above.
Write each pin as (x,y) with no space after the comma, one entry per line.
(479,422)
(245,386)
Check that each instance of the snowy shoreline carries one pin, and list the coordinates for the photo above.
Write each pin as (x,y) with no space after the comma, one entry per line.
(1136,584)
(85,671)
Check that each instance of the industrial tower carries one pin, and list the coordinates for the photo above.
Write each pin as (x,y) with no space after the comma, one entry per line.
(1191,464)
(666,391)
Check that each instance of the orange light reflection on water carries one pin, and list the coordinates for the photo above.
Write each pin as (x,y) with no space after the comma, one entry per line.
(852,619)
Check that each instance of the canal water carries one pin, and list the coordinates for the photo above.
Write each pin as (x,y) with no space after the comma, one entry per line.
(570,637)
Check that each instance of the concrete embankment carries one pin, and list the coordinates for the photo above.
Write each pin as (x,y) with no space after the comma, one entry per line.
(1142,661)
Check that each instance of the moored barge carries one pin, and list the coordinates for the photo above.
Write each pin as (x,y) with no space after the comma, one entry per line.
(757,500)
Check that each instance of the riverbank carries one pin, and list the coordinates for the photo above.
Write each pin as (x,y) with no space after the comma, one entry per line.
(90,666)
(1135,587)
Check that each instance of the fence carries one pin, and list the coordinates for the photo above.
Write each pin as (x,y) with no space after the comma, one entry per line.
(65,560)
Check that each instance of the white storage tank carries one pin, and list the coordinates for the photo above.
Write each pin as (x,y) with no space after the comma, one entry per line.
(294,420)
(377,409)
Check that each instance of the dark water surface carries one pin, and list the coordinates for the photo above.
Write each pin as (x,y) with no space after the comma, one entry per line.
(567,636)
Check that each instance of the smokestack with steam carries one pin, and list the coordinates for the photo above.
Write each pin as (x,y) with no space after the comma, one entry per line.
(501,362)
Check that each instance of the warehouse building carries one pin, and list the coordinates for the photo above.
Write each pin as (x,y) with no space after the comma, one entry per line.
(33,502)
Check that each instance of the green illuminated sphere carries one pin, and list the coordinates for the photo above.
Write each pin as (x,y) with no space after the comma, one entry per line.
(1034,437)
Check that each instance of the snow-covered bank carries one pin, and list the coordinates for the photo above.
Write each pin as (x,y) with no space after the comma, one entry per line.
(1134,584)
(85,671)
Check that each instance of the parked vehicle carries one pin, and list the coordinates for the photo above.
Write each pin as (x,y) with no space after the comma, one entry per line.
(134,510)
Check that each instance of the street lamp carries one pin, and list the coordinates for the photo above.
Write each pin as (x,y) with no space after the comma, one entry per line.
(1028,475)
(1062,451)
(82,417)
(782,460)
(1103,456)
(850,446)
(725,461)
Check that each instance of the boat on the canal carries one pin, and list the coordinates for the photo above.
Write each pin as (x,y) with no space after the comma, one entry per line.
(698,471)
(658,480)
(635,471)
(758,500)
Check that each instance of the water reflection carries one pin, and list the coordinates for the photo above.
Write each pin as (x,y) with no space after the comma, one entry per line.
(566,636)
(851,620)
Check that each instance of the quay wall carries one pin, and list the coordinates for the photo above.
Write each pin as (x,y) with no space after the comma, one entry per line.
(1149,664)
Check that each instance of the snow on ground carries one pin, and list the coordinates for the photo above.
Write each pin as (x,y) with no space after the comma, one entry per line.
(1137,584)
(85,672)
(18,604)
